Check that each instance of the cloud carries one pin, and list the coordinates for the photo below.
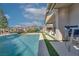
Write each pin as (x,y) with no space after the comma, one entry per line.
(37,23)
(26,24)
(36,11)
(29,5)
(29,16)
(7,16)
(33,11)
(30,23)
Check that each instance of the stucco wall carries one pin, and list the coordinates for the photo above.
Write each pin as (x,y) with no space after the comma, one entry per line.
(68,15)
(63,17)
(74,14)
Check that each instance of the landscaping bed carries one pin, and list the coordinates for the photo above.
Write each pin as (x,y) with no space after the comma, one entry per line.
(50,48)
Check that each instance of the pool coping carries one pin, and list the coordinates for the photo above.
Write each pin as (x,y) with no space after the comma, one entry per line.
(50,48)
(7,34)
(42,49)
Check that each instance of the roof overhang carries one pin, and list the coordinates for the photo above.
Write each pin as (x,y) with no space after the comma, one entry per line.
(52,6)
(61,5)
(49,18)
(49,25)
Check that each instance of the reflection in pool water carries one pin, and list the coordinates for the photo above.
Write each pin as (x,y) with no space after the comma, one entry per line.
(20,45)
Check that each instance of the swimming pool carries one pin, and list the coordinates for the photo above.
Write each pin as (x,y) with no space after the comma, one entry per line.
(19,45)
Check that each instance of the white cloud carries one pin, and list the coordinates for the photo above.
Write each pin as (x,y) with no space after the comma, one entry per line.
(33,12)
(37,23)
(36,11)
(26,24)
(28,16)
(28,5)
(30,23)
(7,16)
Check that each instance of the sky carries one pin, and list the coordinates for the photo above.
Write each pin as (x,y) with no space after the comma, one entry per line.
(24,13)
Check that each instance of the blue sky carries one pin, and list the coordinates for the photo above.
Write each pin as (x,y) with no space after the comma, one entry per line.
(24,14)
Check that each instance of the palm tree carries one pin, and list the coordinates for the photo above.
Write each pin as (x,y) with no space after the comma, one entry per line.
(3,21)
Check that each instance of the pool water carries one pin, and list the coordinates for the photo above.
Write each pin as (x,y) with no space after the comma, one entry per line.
(19,45)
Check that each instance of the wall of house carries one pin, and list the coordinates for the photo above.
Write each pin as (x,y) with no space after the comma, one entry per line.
(63,20)
(74,14)
(67,15)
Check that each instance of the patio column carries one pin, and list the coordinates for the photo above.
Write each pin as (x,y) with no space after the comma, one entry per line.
(58,33)
(56,17)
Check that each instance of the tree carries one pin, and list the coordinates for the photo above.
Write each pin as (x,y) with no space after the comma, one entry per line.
(3,20)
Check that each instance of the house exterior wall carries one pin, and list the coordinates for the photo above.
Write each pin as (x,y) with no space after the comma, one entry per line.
(67,16)
(74,14)
(63,17)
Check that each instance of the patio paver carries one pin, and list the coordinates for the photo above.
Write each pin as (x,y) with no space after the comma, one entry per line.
(42,47)
(61,48)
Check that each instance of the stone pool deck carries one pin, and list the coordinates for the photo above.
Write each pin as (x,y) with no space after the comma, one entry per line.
(7,34)
(42,47)
(61,48)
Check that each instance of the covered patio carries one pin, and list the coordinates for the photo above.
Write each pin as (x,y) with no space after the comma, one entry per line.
(61,15)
